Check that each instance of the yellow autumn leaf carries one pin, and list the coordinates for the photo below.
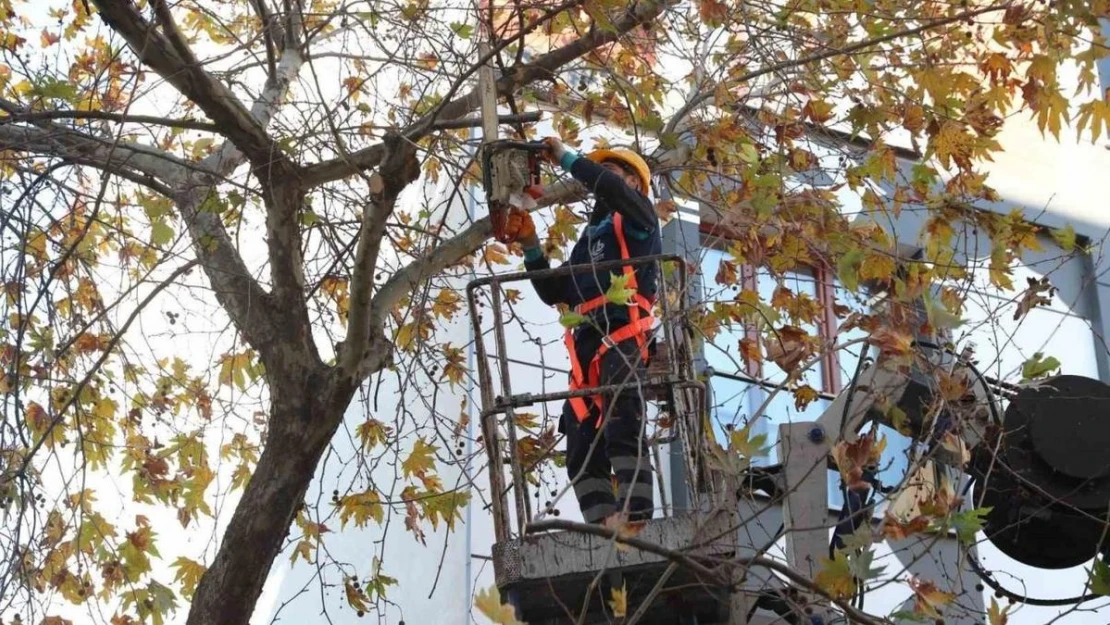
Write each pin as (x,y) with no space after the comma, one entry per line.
(619,601)
(360,508)
(188,573)
(489,603)
(420,460)
(446,304)
(835,576)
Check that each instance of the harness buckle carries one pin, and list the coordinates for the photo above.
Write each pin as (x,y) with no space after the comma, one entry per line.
(608,341)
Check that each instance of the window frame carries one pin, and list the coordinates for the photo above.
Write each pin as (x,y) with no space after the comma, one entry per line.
(716,237)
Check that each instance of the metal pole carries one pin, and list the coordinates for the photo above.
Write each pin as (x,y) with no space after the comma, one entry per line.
(520,490)
(488,423)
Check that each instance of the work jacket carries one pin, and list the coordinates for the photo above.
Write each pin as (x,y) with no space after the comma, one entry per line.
(598,243)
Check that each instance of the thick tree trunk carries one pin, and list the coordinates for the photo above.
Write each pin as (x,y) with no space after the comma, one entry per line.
(306,409)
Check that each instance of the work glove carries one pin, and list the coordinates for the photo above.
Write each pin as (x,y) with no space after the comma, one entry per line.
(555,149)
(520,228)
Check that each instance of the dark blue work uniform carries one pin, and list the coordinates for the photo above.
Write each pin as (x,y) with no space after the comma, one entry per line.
(623,450)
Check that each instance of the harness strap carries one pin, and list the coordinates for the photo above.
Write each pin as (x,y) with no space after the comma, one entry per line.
(637,328)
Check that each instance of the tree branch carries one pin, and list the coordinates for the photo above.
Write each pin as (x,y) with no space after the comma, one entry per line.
(544,66)
(453,250)
(267,34)
(93,151)
(400,167)
(472,122)
(35,116)
(188,77)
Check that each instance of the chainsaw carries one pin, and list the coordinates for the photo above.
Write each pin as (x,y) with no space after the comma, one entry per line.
(510,177)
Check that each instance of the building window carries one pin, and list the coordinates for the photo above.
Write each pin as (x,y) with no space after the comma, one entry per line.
(734,397)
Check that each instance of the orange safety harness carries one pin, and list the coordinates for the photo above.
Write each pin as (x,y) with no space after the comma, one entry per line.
(640,322)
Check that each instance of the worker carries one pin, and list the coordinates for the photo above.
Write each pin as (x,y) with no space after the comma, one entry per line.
(611,346)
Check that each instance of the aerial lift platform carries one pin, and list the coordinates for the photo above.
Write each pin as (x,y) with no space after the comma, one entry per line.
(549,575)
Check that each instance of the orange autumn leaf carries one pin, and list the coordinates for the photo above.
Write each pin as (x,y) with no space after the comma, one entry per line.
(749,349)
(897,529)
(928,598)
(787,347)
(891,341)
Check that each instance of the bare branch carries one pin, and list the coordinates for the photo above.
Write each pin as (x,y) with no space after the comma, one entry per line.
(543,67)
(191,124)
(398,169)
(267,34)
(189,78)
(90,150)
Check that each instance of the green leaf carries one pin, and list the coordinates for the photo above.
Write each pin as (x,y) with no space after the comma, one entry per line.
(847,269)
(1100,578)
(748,446)
(618,292)
(464,31)
(748,153)
(164,600)
(54,88)
(571,319)
(899,420)
(160,233)
(968,523)
(1065,238)
(1038,367)
(835,576)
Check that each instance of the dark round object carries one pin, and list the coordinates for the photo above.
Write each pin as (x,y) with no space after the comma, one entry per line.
(1037,433)
(1035,532)
(1049,483)
(1070,426)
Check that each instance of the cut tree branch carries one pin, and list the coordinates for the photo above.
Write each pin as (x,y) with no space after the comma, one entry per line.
(544,66)
(453,250)
(473,122)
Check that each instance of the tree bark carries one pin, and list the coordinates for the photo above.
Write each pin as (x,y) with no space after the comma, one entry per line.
(305,411)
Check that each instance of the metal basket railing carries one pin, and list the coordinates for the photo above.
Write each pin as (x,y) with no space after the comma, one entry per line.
(670,377)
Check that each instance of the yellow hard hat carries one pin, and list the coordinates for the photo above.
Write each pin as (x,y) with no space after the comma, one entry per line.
(627,157)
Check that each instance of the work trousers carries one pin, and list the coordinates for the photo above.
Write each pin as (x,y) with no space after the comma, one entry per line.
(621,450)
